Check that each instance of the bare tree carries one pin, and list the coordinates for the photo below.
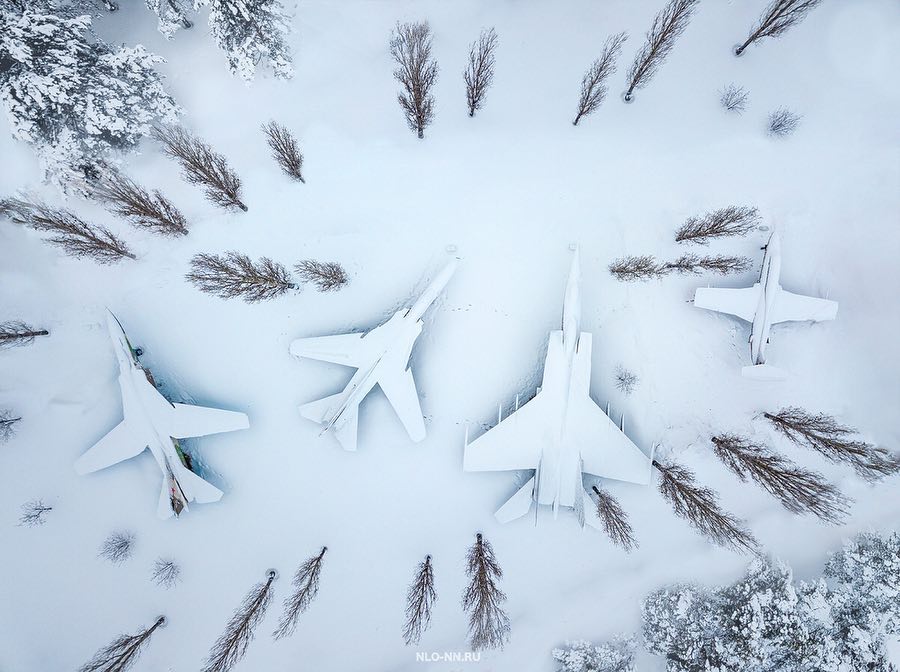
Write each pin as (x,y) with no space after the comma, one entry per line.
(123,652)
(284,149)
(201,165)
(235,275)
(416,71)
(667,26)
(799,490)
(479,73)
(126,198)
(327,276)
(166,572)
(644,267)
(306,587)
(488,623)
(734,98)
(33,513)
(722,264)
(593,84)
(782,122)
(778,17)
(7,424)
(232,644)
(16,332)
(725,222)
(700,507)
(824,434)
(615,520)
(118,547)
(75,236)
(626,381)
(419,600)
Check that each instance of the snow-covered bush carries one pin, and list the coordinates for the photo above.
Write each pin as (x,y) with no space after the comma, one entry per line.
(583,656)
(73,96)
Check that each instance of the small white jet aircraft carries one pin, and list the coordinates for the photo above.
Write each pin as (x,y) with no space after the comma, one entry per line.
(765,304)
(560,433)
(151,421)
(380,356)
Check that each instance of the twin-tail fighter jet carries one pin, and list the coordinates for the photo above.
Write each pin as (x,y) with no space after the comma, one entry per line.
(151,421)
(765,304)
(561,433)
(380,357)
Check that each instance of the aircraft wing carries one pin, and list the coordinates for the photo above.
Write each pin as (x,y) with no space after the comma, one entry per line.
(400,390)
(605,450)
(186,420)
(741,303)
(119,444)
(790,307)
(515,443)
(346,349)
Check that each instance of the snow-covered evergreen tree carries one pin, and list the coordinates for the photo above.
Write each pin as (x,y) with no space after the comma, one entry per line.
(171,15)
(582,656)
(679,623)
(250,32)
(73,96)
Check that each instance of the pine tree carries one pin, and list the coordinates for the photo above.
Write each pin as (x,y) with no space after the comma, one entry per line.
(799,490)
(615,520)
(171,15)
(479,73)
(16,333)
(679,622)
(582,656)
(122,653)
(416,71)
(235,275)
(667,26)
(593,84)
(74,97)
(327,276)
(420,599)
(126,198)
(700,507)
(778,17)
(232,644)
(284,149)
(250,32)
(488,623)
(306,587)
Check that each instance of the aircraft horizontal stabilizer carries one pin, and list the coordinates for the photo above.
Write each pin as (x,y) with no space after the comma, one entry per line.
(322,410)
(517,505)
(346,349)
(119,444)
(189,420)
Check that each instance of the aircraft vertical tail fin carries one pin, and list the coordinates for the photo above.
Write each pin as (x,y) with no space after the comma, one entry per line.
(518,505)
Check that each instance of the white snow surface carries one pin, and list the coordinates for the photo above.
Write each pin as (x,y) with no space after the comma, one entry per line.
(511,189)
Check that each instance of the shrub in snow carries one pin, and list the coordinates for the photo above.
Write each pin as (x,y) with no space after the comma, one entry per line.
(782,122)
(201,165)
(232,644)
(72,97)
(250,32)
(166,573)
(118,547)
(419,600)
(626,381)
(479,73)
(488,623)
(582,656)
(15,333)
(725,222)
(284,149)
(776,19)
(7,424)
(68,231)
(593,84)
(416,71)
(306,587)
(667,26)
(235,275)
(122,653)
(734,98)
(327,276)
(126,198)
(837,442)
(33,513)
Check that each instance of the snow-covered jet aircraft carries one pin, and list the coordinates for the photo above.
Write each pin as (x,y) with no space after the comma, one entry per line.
(765,304)
(560,433)
(380,357)
(151,421)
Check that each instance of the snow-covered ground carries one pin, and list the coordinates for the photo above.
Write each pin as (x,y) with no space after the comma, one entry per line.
(511,189)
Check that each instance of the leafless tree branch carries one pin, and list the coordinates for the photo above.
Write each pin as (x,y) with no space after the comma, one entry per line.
(722,223)
(126,198)
(326,276)
(235,275)
(118,547)
(643,267)
(778,17)
(166,573)
(799,490)
(667,26)
(626,381)
(488,623)
(615,520)
(75,236)
(720,263)
(201,165)
(33,513)
(15,333)
(416,71)
(284,149)
(479,74)
(734,98)
(783,122)
(306,587)
(123,652)
(7,424)
(593,84)
(419,600)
